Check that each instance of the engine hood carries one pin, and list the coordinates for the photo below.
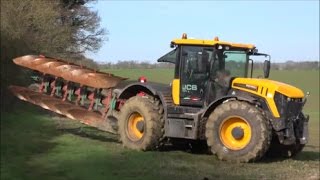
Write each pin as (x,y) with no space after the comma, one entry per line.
(266,87)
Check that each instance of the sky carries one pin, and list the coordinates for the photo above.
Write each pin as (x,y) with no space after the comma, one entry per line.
(143,30)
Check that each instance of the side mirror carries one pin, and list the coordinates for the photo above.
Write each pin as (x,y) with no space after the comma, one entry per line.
(266,68)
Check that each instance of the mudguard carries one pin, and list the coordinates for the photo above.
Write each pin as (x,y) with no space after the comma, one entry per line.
(128,89)
(214,104)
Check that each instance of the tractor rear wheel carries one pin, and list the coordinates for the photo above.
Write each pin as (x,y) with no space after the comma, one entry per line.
(237,131)
(141,123)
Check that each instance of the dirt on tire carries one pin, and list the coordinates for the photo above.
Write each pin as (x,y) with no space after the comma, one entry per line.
(261,132)
(152,112)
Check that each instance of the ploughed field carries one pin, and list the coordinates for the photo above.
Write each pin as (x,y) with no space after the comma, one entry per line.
(37,144)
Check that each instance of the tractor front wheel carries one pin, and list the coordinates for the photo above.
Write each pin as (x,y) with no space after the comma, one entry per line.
(237,131)
(141,123)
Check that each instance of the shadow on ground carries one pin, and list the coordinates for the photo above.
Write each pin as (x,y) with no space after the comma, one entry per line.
(91,133)
(23,134)
(302,156)
(308,156)
(193,147)
(33,148)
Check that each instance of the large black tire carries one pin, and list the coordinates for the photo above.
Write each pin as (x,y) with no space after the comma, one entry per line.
(150,112)
(241,147)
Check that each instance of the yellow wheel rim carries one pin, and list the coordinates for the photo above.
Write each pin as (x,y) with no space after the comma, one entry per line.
(235,133)
(135,126)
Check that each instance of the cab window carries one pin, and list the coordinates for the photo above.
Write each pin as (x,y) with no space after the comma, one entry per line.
(235,63)
(170,57)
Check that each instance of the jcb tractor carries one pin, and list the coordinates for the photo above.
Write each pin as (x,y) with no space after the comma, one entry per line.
(213,98)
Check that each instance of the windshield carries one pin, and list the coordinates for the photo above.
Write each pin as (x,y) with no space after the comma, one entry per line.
(236,63)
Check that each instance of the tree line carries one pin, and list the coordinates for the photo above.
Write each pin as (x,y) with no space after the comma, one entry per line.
(134,65)
(291,65)
(131,64)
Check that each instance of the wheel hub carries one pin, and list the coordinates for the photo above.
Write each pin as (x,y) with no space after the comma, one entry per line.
(135,126)
(140,126)
(237,132)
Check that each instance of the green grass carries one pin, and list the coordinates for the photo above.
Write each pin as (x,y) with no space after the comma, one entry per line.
(37,145)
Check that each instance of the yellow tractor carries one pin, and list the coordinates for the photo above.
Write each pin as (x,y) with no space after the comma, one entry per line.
(212,98)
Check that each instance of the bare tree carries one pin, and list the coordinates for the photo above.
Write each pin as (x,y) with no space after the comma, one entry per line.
(63,29)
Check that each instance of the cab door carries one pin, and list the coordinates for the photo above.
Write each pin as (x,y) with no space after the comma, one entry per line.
(194,73)
(191,74)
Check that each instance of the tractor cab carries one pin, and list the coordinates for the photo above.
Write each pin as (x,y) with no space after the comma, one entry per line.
(204,69)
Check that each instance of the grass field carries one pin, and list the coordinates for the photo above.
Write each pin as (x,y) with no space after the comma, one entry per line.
(36,144)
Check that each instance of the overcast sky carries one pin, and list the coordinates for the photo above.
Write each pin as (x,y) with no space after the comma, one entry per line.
(142,30)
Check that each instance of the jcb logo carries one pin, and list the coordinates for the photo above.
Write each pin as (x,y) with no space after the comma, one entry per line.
(190,87)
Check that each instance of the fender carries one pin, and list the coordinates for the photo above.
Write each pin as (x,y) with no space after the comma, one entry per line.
(134,88)
(217,102)
(154,89)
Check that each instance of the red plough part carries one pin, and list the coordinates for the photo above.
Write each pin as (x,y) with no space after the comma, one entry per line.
(69,89)
(65,108)
(68,71)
